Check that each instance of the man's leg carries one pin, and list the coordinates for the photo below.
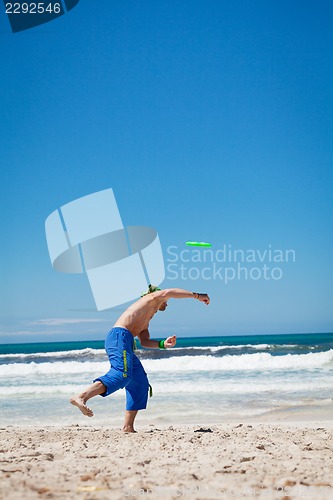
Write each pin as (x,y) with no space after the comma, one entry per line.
(129,420)
(91,391)
(136,394)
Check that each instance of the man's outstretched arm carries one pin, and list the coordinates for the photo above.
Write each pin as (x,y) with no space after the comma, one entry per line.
(178,293)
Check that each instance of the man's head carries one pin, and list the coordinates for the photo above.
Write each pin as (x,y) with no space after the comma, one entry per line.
(152,289)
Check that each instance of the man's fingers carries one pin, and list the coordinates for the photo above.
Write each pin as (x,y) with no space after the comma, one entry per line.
(171,341)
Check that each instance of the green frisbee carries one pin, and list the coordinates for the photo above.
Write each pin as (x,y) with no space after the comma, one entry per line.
(198,244)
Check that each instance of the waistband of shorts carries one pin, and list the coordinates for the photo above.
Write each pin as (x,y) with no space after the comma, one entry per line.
(121,329)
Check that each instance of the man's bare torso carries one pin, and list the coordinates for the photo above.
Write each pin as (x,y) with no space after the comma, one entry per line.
(137,316)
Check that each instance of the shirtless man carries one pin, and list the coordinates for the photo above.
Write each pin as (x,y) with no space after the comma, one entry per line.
(126,370)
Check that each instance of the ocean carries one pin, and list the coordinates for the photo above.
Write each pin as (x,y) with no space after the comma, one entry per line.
(201,380)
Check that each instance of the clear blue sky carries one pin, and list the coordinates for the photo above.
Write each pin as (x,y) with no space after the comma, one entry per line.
(211,120)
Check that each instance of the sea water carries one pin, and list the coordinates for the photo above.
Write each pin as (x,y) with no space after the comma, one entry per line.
(202,379)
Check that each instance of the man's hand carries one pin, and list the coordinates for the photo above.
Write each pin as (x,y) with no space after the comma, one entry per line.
(170,342)
(203,297)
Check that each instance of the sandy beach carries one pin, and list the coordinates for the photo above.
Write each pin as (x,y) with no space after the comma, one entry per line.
(232,460)
(254,422)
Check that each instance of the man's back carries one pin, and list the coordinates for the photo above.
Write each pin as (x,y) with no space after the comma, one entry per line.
(137,316)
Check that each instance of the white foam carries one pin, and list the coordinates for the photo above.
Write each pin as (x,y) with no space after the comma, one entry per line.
(239,363)
(221,347)
(243,362)
(95,352)
(186,387)
(43,390)
(56,354)
(57,368)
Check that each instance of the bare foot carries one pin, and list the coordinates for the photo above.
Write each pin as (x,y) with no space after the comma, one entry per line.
(128,429)
(79,402)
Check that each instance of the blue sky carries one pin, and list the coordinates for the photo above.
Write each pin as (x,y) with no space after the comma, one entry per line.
(211,120)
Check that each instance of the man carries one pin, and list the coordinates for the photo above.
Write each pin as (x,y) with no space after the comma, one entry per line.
(126,370)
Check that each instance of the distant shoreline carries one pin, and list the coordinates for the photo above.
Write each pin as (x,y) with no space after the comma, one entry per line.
(5,346)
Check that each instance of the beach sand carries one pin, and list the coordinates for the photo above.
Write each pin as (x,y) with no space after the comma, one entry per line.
(282,460)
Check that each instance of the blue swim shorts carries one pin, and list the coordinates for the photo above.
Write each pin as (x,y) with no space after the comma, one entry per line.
(126,370)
